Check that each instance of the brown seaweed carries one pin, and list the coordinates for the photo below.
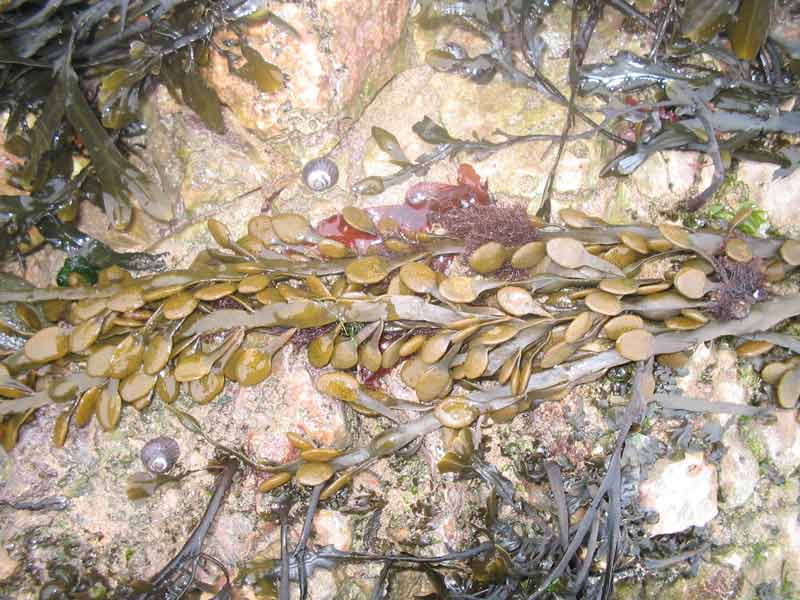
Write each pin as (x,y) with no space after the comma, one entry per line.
(445,146)
(460,343)
(463,357)
(700,116)
(50,56)
(178,576)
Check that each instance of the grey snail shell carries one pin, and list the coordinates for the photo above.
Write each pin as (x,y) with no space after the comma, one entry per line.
(160,454)
(320,174)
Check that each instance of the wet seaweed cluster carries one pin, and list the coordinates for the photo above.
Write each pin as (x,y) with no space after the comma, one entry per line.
(586,297)
(74,76)
(482,312)
(715,81)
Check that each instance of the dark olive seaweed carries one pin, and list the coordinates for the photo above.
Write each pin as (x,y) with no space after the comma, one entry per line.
(49,57)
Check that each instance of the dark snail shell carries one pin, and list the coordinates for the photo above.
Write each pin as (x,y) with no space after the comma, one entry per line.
(160,454)
(320,174)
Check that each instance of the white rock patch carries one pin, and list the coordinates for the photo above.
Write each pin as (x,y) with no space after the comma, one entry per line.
(738,472)
(683,493)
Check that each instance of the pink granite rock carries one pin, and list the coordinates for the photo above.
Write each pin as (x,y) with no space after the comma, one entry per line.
(340,52)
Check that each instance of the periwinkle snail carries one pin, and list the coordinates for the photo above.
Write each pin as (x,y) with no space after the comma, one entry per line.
(320,174)
(160,454)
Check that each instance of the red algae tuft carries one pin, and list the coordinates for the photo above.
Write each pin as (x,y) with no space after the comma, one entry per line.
(479,224)
(424,204)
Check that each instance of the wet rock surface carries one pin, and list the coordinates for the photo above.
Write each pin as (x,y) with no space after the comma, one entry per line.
(683,493)
(743,491)
(738,473)
(334,55)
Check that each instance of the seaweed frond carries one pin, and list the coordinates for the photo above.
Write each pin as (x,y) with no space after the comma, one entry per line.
(303,337)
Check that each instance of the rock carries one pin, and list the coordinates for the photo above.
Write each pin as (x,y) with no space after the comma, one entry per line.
(339,57)
(781,441)
(458,499)
(769,551)
(790,530)
(684,493)
(672,177)
(628,590)
(41,266)
(549,426)
(232,176)
(779,197)
(293,405)
(322,586)
(204,174)
(725,385)
(332,528)
(463,109)
(711,583)
(738,473)
(410,583)
(7,565)
(199,166)
(516,174)
(233,536)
